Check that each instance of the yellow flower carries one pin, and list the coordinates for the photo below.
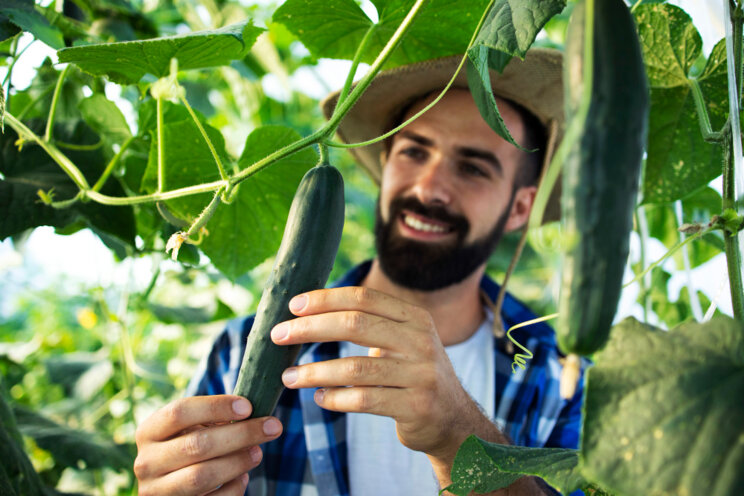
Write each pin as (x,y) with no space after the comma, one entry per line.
(87,318)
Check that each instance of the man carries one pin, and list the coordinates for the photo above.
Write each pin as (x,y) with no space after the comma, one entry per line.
(399,364)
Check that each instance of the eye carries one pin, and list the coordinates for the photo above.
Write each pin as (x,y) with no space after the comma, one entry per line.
(416,153)
(472,169)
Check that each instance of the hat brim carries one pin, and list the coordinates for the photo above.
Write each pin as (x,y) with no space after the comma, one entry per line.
(535,83)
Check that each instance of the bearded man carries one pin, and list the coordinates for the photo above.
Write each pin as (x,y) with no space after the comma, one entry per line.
(399,363)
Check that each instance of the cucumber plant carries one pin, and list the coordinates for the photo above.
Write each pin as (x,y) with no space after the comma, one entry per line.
(72,159)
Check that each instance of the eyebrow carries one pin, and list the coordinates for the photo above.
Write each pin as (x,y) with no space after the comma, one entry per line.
(464,151)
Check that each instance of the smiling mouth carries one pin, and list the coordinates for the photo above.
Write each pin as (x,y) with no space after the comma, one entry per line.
(424,225)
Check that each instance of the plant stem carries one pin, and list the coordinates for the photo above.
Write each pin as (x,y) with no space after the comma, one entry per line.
(56,155)
(55,101)
(203,132)
(418,114)
(732,155)
(161,146)
(155,197)
(355,64)
(342,109)
(702,111)
(110,167)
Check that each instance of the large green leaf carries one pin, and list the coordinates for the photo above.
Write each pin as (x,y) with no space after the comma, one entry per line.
(127,61)
(334,29)
(679,160)
(23,14)
(30,169)
(509,30)
(664,410)
(248,231)
(70,446)
(483,467)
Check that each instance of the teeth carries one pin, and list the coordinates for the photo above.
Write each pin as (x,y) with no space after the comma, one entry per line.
(421,226)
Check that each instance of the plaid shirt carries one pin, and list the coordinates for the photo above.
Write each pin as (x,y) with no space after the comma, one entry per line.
(312,450)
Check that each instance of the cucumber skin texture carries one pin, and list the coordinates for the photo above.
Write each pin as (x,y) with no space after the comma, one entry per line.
(303,263)
(601,173)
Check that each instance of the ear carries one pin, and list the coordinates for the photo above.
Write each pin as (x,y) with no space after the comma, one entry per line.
(521,208)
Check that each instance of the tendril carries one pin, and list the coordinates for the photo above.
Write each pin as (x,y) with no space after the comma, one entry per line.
(520,359)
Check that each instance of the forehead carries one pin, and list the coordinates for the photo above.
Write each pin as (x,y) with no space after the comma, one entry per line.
(456,116)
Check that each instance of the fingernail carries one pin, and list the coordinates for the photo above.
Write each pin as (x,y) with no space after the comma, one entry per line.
(272,427)
(319,395)
(244,479)
(289,376)
(242,407)
(280,331)
(298,303)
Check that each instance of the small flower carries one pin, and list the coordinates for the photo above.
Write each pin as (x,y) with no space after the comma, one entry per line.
(174,243)
(87,318)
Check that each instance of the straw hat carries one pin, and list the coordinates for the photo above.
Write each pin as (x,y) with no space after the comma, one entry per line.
(535,83)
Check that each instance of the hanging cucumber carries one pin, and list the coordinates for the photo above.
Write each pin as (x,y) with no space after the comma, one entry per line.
(601,173)
(303,263)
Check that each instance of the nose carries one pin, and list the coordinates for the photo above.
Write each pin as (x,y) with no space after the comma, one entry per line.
(432,184)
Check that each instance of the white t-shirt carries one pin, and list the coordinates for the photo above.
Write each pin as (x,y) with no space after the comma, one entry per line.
(378,462)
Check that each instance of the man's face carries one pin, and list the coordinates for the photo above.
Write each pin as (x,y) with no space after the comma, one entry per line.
(447,194)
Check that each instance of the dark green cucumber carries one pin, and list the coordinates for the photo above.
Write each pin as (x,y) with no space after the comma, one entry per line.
(303,263)
(601,173)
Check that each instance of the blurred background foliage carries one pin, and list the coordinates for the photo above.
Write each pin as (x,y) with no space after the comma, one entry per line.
(82,364)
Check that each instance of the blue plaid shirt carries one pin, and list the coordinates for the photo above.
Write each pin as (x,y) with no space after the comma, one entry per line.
(312,450)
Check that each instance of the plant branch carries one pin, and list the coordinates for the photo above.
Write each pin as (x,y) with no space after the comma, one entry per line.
(203,132)
(355,64)
(112,164)
(55,101)
(155,197)
(418,114)
(161,146)
(702,111)
(60,158)
(730,240)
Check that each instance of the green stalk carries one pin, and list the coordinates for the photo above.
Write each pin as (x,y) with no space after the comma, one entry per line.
(203,132)
(343,108)
(732,246)
(161,146)
(418,114)
(112,164)
(55,100)
(702,111)
(155,197)
(575,127)
(355,64)
(65,163)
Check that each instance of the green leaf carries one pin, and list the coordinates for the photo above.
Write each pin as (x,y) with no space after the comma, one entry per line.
(335,28)
(248,231)
(69,446)
(483,467)
(679,160)
(30,170)
(509,30)
(664,411)
(511,26)
(126,62)
(23,14)
(16,468)
(105,118)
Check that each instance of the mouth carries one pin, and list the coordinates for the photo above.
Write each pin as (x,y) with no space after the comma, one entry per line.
(418,226)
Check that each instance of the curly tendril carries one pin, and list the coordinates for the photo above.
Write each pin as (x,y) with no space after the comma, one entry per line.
(520,359)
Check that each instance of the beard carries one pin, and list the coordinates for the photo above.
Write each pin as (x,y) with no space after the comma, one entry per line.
(431,266)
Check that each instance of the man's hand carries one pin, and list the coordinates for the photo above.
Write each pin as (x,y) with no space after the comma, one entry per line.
(193,446)
(407,376)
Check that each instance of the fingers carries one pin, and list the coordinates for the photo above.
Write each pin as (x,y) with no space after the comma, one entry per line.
(188,412)
(208,443)
(355,298)
(354,371)
(390,402)
(235,487)
(205,477)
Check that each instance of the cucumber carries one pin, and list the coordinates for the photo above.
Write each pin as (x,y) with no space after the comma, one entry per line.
(601,173)
(303,263)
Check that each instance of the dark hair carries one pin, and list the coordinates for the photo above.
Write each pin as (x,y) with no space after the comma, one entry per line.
(535,138)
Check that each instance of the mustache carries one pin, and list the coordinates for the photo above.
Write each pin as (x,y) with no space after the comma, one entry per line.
(439,213)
